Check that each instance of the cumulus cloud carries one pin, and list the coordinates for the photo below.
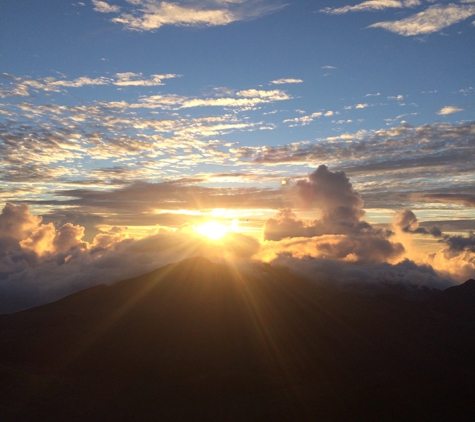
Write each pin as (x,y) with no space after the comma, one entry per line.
(433,19)
(330,191)
(449,110)
(456,259)
(16,221)
(285,224)
(339,233)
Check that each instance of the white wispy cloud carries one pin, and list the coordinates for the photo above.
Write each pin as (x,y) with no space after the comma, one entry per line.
(449,110)
(304,120)
(286,81)
(21,86)
(433,19)
(103,7)
(136,79)
(371,5)
(149,15)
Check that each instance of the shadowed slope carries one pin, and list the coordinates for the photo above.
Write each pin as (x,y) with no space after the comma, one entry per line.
(201,340)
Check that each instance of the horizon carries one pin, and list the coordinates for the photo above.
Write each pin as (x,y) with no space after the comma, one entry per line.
(335,139)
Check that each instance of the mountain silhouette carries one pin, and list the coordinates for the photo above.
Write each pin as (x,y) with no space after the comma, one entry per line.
(197,340)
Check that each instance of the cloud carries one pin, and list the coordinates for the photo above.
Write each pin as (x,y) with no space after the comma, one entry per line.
(252,97)
(304,120)
(43,262)
(466,199)
(461,243)
(21,86)
(456,259)
(387,157)
(371,5)
(405,277)
(149,15)
(17,222)
(433,19)
(50,263)
(103,7)
(286,81)
(449,110)
(406,221)
(284,225)
(330,191)
(339,233)
(138,202)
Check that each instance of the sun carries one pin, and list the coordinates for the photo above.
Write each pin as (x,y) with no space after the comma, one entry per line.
(214,230)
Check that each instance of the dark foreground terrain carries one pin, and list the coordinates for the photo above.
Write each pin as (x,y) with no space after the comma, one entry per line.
(200,341)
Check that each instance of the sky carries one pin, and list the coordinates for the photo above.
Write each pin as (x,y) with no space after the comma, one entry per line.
(334,137)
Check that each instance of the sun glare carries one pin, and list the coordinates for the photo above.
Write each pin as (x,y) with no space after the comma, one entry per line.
(214,230)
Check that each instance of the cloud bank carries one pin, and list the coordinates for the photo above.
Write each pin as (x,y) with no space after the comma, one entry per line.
(41,262)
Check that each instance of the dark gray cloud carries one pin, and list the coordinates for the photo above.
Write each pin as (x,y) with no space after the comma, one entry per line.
(461,243)
(143,196)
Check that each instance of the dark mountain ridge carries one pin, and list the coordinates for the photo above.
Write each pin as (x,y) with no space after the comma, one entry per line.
(198,340)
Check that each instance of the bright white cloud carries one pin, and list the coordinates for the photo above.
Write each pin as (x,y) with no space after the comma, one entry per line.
(103,7)
(449,110)
(430,20)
